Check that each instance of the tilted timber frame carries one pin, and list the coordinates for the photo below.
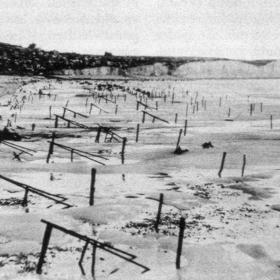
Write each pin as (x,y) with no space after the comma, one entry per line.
(73,151)
(98,107)
(75,113)
(18,147)
(58,199)
(97,244)
(77,124)
(154,117)
(107,130)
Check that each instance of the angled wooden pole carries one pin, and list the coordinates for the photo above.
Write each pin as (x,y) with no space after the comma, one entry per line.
(185,127)
(92,186)
(137,132)
(222,164)
(159,211)
(243,165)
(182,226)
(44,248)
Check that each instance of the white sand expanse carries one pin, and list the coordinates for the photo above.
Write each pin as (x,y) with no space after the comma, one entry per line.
(232,223)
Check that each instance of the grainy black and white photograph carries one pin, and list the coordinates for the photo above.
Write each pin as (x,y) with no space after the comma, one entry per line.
(139,139)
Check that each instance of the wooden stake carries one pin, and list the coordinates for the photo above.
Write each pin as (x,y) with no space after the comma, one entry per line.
(116,109)
(123,149)
(25,198)
(271,124)
(179,138)
(185,127)
(222,164)
(182,226)
(243,165)
(50,112)
(92,186)
(176,117)
(72,155)
(50,152)
(137,132)
(159,211)
(56,121)
(143,117)
(44,248)
(93,261)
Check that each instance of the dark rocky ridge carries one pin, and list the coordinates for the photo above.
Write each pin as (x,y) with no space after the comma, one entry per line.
(17,60)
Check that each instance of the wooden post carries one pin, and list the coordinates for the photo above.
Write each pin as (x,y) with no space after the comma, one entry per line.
(50,112)
(271,124)
(172,100)
(72,155)
(182,226)
(123,148)
(50,152)
(137,132)
(179,138)
(66,105)
(93,261)
(187,109)
(156,105)
(25,198)
(64,111)
(56,122)
(222,164)
(86,102)
(90,108)
(251,109)
(143,117)
(229,112)
(44,248)
(185,127)
(176,117)
(137,105)
(159,211)
(98,135)
(92,186)
(116,109)
(243,165)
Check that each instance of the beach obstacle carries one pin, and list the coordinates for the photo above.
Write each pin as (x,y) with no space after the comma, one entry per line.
(100,245)
(137,132)
(222,164)
(92,186)
(17,147)
(69,122)
(154,117)
(58,199)
(182,225)
(159,212)
(185,127)
(243,165)
(75,113)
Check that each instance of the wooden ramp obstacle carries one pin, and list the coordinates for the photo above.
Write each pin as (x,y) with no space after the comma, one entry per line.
(88,240)
(58,199)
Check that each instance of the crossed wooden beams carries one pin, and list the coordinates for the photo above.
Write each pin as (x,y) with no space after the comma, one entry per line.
(90,156)
(54,197)
(96,244)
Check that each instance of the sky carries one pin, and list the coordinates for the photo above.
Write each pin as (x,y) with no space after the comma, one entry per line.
(240,29)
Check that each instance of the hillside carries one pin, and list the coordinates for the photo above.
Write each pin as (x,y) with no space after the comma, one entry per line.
(17,60)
